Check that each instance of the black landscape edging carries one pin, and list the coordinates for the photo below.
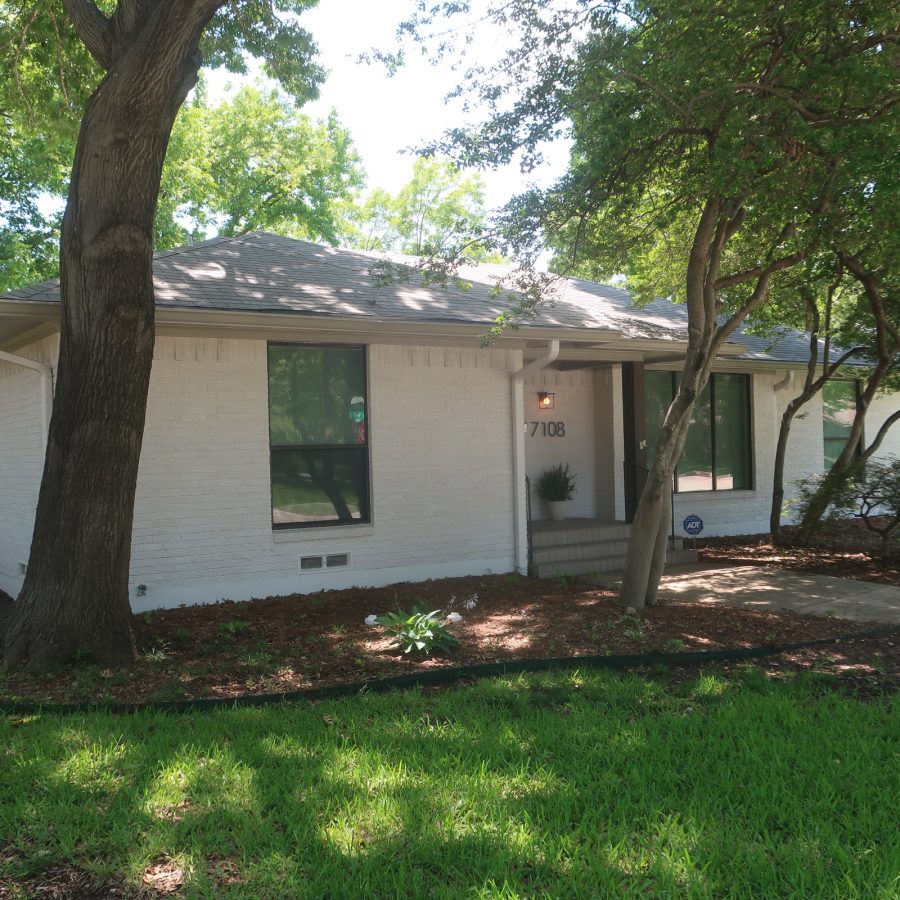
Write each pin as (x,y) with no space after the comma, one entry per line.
(445,677)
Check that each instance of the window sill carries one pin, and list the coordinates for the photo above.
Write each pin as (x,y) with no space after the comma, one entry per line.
(325,533)
(745,493)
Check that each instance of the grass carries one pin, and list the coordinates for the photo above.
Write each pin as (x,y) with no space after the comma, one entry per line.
(576,785)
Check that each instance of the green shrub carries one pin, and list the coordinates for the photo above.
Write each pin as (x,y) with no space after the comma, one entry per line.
(870,492)
(556,483)
(418,630)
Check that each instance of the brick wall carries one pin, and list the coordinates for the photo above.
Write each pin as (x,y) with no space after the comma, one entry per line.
(21,459)
(441,451)
(883,405)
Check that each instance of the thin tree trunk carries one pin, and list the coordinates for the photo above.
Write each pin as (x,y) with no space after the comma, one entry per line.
(74,601)
(658,564)
(718,223)
(887,345)
(664,532)
(811,387)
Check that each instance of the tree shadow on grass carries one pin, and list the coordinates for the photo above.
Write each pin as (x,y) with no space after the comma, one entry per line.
(556,785)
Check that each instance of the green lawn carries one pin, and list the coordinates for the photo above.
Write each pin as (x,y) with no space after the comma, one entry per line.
(567,785)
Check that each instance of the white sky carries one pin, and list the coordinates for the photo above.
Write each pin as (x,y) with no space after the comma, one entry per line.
(387,116)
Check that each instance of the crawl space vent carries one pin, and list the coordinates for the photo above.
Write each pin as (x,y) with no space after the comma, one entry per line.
(328,561)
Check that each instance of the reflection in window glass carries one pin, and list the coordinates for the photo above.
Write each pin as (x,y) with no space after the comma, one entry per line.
(838,415)
(657,399)
(316,395)
(732,433)
(717,451)
(695,472)
(318,432)
(318,486)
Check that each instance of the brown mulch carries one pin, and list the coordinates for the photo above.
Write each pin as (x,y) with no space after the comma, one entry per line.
(844,549)
(278,644)
(62,882)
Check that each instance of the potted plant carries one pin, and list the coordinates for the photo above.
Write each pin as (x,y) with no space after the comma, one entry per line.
(555,487)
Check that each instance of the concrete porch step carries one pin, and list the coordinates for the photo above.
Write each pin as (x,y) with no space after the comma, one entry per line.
(577,531)
(592,550)
(601,564)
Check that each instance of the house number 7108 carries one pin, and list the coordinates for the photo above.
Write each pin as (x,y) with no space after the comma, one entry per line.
(549,429)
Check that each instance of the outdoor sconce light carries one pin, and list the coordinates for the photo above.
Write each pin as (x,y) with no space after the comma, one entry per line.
(545,400)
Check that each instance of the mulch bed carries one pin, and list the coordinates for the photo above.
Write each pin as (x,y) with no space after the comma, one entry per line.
(843,549)
(278,644)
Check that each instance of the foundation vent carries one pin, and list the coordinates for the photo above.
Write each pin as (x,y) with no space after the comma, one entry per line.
(327,561)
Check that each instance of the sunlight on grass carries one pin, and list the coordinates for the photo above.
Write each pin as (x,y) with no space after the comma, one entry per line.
(572,784)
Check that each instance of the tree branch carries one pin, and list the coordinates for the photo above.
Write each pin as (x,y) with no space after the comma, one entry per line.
(93,28)
(129,15)
(785,262)
(882,432)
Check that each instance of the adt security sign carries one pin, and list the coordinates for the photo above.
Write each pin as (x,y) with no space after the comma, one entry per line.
(693,525)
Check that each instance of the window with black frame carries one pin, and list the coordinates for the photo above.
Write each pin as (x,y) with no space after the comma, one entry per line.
(838,416)
(717,452)
(318,435)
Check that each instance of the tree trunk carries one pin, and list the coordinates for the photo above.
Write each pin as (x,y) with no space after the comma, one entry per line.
(658,564)
(784,432)
(811,388)
(718,223)
(646,555)
(887,345)
(74,602)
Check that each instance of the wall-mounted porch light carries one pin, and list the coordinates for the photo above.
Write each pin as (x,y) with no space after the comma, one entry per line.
(546,400)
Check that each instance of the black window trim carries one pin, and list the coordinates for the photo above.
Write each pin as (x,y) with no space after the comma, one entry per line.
(365,450)
(748,401)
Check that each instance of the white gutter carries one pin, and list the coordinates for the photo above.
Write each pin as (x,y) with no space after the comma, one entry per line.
(518,425)
(46,374)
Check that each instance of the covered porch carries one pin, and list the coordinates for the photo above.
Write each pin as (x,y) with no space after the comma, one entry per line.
(586,411)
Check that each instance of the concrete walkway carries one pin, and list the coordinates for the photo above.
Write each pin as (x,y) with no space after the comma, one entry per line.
(772,589)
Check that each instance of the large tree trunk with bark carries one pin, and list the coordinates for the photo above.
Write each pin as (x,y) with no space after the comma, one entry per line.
(75,601)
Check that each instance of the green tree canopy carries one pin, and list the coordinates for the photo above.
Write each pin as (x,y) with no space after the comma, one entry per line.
(137,60)
(715,146)
(255,162)
(49,76)
(440,210)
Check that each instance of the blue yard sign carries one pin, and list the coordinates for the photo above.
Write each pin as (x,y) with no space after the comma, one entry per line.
(693,525)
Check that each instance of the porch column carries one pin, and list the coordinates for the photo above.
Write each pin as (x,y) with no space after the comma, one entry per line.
(634,435)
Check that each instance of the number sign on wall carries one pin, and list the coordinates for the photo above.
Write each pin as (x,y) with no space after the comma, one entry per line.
(548,429)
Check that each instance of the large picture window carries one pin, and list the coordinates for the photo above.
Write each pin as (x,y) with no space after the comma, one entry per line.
(717,452)
(318,435)
(838,415)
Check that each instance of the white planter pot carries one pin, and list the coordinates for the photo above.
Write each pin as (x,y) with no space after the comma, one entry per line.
(558,509)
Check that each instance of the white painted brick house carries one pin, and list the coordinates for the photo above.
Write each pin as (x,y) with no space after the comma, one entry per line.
(308,428)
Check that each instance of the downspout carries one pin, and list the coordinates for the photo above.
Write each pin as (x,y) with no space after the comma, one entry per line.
(518,423)
(786,382)
(46,374)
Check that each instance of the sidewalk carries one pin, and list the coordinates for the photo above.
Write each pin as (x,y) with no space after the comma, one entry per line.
(772,589)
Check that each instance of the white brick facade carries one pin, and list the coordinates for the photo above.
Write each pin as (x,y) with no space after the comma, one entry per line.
(441,457)
(21,459)
(442,491)
(575,410)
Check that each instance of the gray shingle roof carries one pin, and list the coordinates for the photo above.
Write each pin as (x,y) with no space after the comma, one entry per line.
(266,273)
